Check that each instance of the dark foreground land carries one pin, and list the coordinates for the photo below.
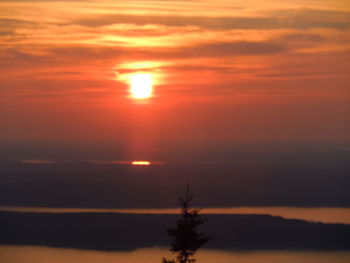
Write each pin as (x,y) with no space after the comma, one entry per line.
(112,231)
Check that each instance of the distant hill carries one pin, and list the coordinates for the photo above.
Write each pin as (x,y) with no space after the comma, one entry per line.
(109,231)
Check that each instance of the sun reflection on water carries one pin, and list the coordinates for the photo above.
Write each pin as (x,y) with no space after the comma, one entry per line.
(143,163)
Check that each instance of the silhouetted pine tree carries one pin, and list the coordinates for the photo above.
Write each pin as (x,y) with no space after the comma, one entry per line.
(186,239)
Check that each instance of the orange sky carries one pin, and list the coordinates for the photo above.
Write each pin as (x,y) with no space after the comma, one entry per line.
(224,70)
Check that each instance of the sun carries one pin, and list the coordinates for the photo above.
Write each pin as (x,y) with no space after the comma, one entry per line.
(141,85)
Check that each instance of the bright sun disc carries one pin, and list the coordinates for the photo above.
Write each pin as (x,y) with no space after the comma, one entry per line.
(141,86)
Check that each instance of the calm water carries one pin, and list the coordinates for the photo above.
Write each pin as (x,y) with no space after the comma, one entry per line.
(36,254)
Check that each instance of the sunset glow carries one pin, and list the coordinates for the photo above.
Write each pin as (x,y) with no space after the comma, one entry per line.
(115,113)
(233,60)
(141,86)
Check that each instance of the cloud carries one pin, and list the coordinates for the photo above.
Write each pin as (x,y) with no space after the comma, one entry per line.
(291,19)
(234,48)
(75,51)
(6,1)
(306,18)
(302,37)
(49,55)
(208,50)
